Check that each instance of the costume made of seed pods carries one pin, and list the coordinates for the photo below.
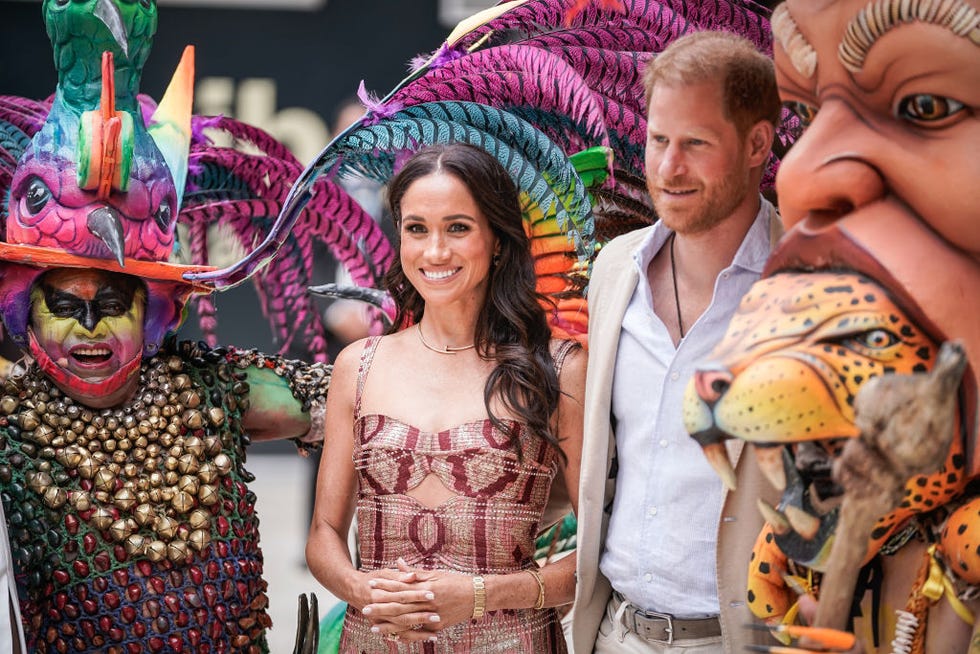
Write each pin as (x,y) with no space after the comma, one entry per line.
(132,528)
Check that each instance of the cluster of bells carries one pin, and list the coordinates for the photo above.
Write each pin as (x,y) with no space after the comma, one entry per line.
(148,473)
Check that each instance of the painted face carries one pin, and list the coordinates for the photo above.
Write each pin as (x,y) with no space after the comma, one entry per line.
(893,113)
(697,165)
(89,324)
(446,241)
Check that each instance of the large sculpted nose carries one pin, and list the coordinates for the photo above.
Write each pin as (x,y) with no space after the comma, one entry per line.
(711,383)
(829,172)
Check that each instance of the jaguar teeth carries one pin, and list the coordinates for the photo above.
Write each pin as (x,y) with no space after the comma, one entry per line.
(803,523)
(780,525)
(717,457)
(770,461)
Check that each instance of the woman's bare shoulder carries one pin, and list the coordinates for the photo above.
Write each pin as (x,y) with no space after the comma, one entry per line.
(349,358)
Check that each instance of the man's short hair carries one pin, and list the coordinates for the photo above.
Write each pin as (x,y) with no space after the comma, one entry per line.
(747,76)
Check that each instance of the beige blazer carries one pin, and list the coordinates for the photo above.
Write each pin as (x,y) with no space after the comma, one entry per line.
(613,280)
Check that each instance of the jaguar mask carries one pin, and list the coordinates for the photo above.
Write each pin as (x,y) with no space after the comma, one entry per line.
(784,378)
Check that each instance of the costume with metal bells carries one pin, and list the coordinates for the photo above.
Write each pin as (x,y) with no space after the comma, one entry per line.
(131,527)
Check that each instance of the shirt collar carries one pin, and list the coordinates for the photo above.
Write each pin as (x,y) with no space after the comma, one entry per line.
(751,254)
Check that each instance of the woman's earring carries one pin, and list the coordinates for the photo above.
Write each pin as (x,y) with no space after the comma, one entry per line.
(495,260)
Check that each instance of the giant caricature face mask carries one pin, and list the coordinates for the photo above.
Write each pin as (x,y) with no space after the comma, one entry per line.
(893,109)
(87,333)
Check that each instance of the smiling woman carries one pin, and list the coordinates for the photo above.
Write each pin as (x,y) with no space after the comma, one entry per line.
(446,241)
(468,448)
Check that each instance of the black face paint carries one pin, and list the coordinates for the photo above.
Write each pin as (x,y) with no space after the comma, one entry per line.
(110,301)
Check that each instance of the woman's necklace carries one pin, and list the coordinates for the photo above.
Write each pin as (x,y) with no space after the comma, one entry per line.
(443,350)
(673,278)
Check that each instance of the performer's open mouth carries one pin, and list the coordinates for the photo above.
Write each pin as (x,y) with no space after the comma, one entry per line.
(91,355)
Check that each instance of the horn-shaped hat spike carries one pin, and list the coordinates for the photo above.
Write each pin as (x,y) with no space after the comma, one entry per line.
(170,125)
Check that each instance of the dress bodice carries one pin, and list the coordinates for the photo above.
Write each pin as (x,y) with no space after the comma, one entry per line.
(500,483)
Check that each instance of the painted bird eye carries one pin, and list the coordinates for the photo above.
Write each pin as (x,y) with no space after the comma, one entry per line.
(162,216)
(37,196)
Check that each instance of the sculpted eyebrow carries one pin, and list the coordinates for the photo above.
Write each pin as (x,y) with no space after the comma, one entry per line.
(881,16)
(801,53)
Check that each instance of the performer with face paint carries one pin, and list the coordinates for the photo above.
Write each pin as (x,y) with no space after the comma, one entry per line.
(129,526)
(125,487)
(87,333)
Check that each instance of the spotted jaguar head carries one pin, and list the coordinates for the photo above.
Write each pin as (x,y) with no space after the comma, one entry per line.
(784,378)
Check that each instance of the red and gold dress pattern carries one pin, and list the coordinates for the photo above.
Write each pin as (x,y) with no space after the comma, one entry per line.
(501,480)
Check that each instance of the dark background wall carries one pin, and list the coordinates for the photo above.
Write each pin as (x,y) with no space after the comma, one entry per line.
(284,71)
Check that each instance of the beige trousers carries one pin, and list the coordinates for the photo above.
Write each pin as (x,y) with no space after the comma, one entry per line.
(613,638)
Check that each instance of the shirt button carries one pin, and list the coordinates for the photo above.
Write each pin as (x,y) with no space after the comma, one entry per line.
(652,511)
(675,375)
(725,275)
(648,577)
(663,442)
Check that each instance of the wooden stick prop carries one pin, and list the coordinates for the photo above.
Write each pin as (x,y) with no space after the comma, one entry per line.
(907,425)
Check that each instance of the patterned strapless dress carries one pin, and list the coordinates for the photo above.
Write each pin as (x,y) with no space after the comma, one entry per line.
(488,528)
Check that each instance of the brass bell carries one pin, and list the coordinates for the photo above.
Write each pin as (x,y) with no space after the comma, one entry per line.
(136,545)
(156,551)
(199,539)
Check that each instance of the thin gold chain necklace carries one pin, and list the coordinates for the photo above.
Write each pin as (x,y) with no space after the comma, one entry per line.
(444,350)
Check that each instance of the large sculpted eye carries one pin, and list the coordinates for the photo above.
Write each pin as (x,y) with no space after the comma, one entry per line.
(37,196)
(805,112)
(927,109)
(163,215)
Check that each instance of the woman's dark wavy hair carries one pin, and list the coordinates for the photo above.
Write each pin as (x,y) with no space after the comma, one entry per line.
(512,328)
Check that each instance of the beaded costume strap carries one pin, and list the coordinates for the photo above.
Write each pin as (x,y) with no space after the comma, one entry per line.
(367,356)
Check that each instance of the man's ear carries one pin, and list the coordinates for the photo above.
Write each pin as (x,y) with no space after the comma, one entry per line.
(758,142)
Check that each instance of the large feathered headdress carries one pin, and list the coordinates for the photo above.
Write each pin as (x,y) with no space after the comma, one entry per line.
(540,84)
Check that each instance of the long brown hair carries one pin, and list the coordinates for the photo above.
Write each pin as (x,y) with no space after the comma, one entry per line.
(511,328)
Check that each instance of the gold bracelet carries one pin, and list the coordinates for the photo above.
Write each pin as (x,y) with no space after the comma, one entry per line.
(479,597)
(537,577)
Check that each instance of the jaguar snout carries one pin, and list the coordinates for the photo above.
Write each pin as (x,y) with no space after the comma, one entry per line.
(712,382)
(704,391)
